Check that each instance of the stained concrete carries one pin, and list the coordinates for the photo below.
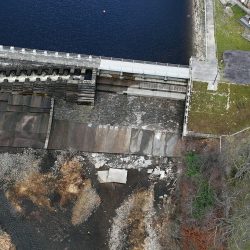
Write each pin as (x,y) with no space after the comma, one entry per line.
(111,139)
(23,120)
(121,110)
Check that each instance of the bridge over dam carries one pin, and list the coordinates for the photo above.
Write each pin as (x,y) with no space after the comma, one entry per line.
(127,106)
(169,79)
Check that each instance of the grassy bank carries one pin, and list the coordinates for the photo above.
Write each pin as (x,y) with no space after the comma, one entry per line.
(222,112)
(229,30)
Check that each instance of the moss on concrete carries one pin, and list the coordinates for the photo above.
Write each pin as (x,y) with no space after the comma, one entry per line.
(222,112)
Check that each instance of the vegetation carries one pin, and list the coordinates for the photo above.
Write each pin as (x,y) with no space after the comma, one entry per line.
(228,30)
(222,112)
(193,166)
(236,202)
(204,198)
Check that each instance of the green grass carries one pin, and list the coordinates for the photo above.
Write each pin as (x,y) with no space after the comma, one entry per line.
(228,30)
(204,199)
(238,12)
(222,112)
(193,164)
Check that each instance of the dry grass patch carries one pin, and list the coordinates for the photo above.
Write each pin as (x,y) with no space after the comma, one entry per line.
(165,226)
(136,223)
(70,181)
(133,226)
(5,242)
(39,187)
(87,201)
(35,188)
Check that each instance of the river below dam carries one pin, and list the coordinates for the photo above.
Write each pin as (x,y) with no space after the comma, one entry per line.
(150,30)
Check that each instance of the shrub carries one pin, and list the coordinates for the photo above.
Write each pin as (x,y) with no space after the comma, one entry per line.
(203,200)
(193,164)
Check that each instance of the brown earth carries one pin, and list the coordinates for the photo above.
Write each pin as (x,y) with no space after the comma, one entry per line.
(5,242)
(87,201)
(70,184)
(136,224)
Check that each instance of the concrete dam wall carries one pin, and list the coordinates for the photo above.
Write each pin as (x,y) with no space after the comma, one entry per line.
(78,79)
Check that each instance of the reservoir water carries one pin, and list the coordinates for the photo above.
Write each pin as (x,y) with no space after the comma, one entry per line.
(150,30)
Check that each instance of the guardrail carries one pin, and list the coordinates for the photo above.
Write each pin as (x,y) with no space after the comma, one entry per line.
(37,52)
(188,102)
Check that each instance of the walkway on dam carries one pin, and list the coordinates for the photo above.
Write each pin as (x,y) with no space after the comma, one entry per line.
(48,57)
(145,68)
(207,71)
(101,63)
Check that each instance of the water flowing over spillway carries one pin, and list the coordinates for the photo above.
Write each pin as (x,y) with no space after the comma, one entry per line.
(143,29)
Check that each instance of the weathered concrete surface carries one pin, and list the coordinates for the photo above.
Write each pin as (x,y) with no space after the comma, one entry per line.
(117,175)
(23,120)
(85,137)
(121,110)
(19,129)
(49,57)
(207,71)
(145,68)
(109,64)
(146,92)
(141,142)
(237,66)
(111,139)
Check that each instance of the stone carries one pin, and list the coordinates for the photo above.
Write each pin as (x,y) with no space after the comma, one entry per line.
(112,175)
(229,11)
(102,176)
(156,171)
(162,175)
(117,175)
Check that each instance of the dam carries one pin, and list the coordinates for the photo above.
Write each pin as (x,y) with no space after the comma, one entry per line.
(33,82)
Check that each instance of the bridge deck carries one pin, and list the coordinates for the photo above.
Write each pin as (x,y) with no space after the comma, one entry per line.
(144,68)
(102,63)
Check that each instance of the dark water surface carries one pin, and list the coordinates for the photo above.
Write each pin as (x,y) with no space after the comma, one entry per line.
(154,30)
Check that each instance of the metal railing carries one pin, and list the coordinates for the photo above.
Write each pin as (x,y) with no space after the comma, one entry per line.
(37,52)
(188,102)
